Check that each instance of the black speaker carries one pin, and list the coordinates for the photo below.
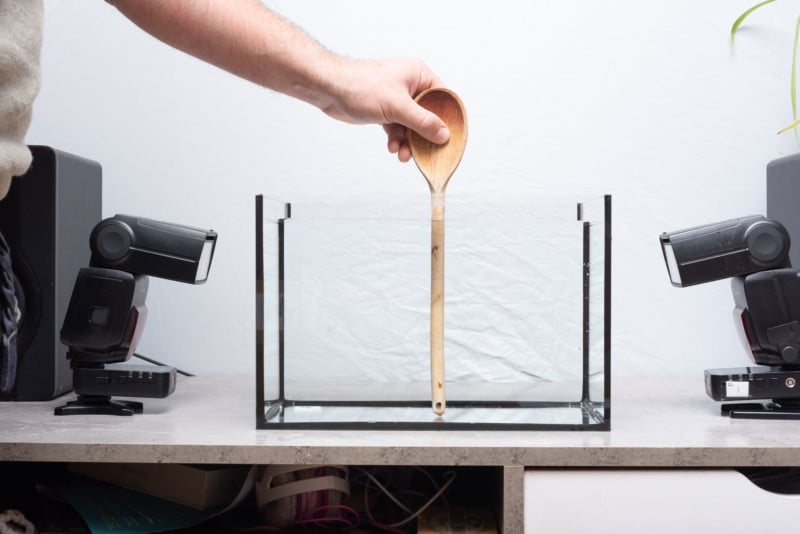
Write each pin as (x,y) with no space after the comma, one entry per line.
(783,187)
(46,218)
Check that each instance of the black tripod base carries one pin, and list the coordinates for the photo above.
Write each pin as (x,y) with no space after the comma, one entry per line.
(99,405)
(775,409)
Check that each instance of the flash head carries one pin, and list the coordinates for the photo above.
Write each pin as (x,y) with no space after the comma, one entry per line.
(144,246)
(735,247)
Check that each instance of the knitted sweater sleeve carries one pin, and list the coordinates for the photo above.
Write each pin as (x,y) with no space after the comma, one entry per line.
(20,47)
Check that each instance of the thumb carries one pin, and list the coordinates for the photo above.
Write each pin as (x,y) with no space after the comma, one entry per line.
(422,121)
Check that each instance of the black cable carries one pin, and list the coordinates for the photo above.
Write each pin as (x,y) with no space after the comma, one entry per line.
(150,360)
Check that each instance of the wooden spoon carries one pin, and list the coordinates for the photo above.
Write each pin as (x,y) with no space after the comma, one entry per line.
(437,163)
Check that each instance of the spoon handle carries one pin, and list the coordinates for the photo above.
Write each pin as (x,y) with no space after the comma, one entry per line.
(437,304)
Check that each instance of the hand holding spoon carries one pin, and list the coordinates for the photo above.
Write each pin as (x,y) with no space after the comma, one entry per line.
(437,164)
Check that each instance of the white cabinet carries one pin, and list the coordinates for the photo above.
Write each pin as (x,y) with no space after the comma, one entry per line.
(656,501)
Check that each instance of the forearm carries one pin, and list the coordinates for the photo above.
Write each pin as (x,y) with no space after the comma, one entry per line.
(247,39)
(244,38)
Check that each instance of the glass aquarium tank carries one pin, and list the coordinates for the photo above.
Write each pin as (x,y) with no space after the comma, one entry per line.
(343,309)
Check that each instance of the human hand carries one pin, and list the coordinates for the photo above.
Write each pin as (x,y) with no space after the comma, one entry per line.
(382,92)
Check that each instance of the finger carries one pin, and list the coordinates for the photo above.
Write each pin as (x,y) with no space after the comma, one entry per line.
(427,78)
(422,121)
(404,154)
(396,136)
(435,82)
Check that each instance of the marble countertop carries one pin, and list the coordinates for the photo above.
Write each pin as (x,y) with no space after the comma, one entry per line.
(654,423)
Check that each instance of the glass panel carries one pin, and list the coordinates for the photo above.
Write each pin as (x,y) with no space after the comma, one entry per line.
(268,293)
(597,215)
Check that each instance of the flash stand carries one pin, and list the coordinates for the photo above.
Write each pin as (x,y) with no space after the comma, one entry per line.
(780,387)
(95,387)
(775,409)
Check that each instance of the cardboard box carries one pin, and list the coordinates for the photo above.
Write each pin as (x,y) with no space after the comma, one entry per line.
(457,519)
(198,486)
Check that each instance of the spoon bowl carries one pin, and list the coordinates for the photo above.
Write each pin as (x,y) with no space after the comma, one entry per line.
(437,163)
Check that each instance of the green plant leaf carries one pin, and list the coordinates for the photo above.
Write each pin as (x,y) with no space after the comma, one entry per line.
(794,74)
(791,126)
(743,16)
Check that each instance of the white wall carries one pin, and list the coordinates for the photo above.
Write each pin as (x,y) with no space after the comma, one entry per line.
(642,100)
